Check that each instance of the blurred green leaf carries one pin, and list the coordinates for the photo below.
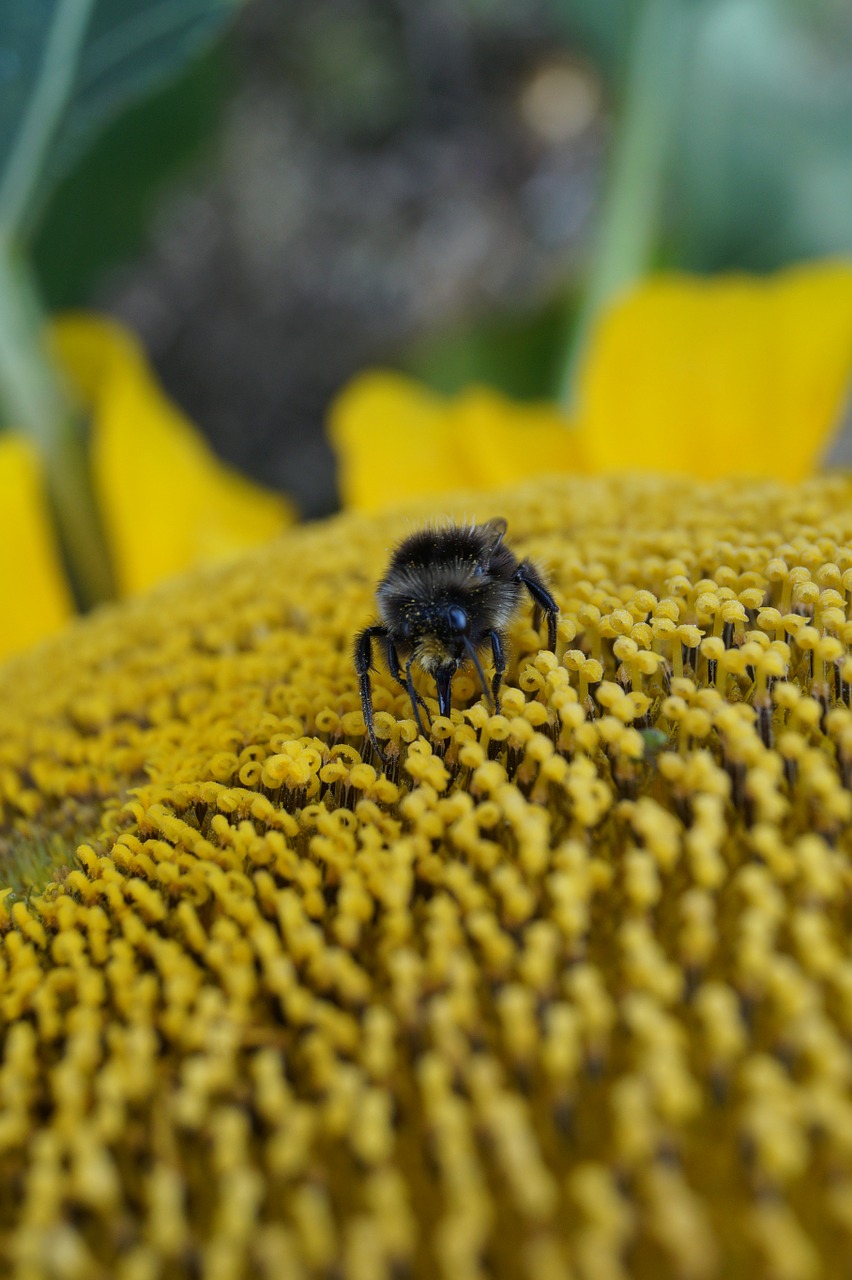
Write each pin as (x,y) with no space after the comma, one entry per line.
(762,171)
(601,28)
(517,354)
(68,66)
(138,153)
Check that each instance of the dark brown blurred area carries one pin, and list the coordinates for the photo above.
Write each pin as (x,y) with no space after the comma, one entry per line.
(387,170)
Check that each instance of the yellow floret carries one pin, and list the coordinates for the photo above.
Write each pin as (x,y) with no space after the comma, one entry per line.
(560,992)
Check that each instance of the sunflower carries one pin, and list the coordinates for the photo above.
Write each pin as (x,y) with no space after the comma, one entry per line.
(565,991)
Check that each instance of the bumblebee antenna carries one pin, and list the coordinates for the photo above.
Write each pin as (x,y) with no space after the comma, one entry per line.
(472,654)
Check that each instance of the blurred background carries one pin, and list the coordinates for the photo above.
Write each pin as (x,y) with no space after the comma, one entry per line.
(421,184)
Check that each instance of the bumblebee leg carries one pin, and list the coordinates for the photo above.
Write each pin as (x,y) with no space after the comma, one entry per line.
(474,657)
(363,663)
(393,660)
(396,672)
(499,667)
(534,583)
(414,696)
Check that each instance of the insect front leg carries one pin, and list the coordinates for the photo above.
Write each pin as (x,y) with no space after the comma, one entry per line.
(499,656)
(392,657)
(414,696)
(363,663)
(534,583)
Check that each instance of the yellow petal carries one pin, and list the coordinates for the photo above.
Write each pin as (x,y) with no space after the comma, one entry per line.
(36,601)
(167,502)
(396,440)
(716,377)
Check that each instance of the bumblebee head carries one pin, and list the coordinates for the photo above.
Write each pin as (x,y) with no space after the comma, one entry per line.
(440,641)
(437,634)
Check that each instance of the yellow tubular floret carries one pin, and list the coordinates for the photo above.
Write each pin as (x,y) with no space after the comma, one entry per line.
(562,993)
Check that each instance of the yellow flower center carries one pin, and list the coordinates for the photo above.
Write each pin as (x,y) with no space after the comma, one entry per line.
(564,991)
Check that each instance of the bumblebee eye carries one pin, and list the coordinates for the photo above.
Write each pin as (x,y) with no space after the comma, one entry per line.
(457,618)
(479,571)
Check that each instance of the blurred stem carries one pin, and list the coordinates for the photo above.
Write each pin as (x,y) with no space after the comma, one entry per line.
(628,232)
(50,93)
(34,402)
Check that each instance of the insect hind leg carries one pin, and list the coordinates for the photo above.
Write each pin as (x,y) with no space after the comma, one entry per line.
(542,599)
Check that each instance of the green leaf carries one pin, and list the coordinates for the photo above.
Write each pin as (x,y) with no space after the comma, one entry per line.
(601,29)
(760,171)
(142,150)
(67,67)
(763,169)
(517,353)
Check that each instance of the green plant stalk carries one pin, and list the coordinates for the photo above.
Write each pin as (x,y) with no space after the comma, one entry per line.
(630,218)
(50,93)
(35,402)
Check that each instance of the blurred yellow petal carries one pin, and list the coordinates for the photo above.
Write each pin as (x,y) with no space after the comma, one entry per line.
(166,501)
(719,377)
(36,600)
(395,440)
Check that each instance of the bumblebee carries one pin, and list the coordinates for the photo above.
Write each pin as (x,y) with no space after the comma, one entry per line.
(448,593)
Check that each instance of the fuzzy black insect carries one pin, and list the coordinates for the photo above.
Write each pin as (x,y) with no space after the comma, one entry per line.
(448,593)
